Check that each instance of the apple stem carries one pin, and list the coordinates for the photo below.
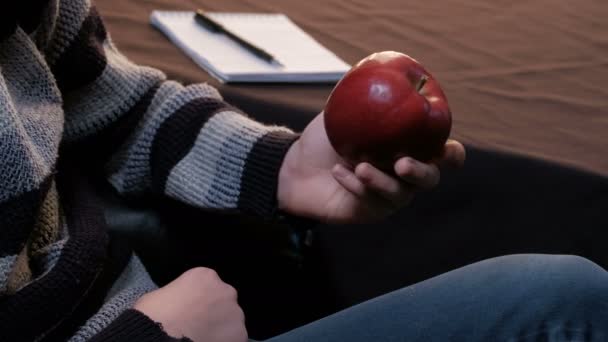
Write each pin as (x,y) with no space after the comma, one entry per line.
(421,82)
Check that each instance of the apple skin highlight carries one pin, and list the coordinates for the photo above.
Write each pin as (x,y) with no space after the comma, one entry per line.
(386,107)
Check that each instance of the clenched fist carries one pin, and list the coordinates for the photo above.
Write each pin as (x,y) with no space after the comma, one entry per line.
(197,305)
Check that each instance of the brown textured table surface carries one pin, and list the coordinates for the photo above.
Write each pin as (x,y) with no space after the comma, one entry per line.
(520,76)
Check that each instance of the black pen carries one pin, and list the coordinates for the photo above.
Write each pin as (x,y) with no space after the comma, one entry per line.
(202,18)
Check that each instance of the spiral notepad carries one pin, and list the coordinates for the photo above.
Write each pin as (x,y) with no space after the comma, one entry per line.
(303,59)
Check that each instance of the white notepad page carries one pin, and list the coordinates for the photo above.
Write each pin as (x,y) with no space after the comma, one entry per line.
(303,58)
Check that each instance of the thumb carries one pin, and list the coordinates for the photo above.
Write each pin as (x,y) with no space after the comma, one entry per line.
(452,156)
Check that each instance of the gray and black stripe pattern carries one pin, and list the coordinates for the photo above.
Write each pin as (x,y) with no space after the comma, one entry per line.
(64,83)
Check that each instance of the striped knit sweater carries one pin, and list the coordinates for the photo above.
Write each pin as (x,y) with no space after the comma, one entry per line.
(65,91)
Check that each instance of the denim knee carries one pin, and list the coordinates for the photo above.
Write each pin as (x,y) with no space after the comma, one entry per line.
(569,272)
(568,282)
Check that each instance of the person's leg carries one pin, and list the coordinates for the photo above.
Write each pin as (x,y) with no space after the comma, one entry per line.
(511,298)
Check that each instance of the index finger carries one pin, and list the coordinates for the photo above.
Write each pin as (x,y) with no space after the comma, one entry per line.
(423,175)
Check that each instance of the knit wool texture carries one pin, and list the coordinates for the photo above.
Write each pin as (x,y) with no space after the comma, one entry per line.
(65,90)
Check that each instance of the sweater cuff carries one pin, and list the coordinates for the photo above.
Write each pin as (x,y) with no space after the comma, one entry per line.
(260,179)
(134,326)
(233,164)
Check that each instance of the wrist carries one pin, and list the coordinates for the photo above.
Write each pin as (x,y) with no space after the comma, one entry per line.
(260,173)
(134,325)
(286,178)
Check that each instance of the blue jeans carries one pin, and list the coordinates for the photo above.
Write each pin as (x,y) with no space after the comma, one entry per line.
(512,298)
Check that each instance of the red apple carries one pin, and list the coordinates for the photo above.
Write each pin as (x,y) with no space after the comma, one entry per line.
(386,107)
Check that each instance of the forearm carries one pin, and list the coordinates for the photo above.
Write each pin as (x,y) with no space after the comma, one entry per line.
(195,148)
(159,136)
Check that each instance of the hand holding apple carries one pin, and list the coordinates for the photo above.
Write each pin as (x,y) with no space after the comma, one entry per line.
(315,182)
(388,122)
(386,107)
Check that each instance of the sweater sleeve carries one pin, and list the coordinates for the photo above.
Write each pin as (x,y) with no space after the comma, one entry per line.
(134,326)
(160,136)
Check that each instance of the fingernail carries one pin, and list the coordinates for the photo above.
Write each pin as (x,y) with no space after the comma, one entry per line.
(340,171)
(405,166)
(362,171)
